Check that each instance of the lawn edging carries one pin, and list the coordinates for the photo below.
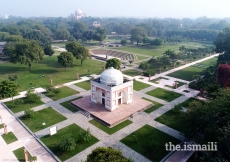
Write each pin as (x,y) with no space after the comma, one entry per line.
(35,137)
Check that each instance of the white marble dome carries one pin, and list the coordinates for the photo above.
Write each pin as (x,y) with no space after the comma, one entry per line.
(78,12)
(111,76)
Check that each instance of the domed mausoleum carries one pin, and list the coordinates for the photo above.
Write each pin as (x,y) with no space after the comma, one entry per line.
(111,89)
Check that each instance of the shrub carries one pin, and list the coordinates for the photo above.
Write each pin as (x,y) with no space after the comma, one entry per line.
(149,72)
(67,143)
(56,90)
(19,101)
(84,136)
(193,85)
(29,113)
(49,88)
(33,97)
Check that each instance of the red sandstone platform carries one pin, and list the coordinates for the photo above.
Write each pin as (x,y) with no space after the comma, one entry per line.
(111,118)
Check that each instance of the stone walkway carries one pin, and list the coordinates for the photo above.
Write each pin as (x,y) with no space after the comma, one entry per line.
(139,120)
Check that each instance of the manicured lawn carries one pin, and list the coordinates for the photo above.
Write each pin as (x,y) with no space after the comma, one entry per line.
(186,73)
(174,118)
(141,57)
(9,138)
(131,72)
(164,94)
(51,69)
(17,107)
(19,153)
(1,126)
(52,142)
(156,80)
(69,106)
(209,62)
(110,130)
(149,142)
(48,116)
(65,92)
(154,107)
(85,85)
(139,85)
(178,84)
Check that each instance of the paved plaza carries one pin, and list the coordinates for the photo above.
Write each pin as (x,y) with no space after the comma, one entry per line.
(32,142)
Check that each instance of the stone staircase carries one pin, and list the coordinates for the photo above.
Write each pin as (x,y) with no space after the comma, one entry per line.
(85,113)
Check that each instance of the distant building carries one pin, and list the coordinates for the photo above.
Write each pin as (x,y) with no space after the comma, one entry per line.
(6,16)
(96,24)
(77,15)
(2,45)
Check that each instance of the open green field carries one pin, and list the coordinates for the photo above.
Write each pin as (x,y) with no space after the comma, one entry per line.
(131,72)
(174,118)
(141,57)
(189,72)
(156,80)
(51,69)
(9,137)
(65,92)
(137,86)
(154,107)
(113,129)
(48,116)
(17,107)
(149,142)
(67,105)
(164,94)
(186,73)
(85,85)
(52,142)
(19,153)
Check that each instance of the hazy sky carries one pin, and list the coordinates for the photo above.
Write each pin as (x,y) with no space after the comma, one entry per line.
(117,8)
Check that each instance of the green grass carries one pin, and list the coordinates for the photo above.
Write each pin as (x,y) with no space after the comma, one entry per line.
(69,106)
(156,80)
(1,126)
(19,153)
(141,57)
(131,72)
(52,142)
(65,92)
(164,94)
(186,73)
(113,129)
(174,118)
(154,107)
(209,62)
(178,85)
(9,137)
(137,86)
(48,116)
(51,69)
(17,107)
(85,85)
(147,140)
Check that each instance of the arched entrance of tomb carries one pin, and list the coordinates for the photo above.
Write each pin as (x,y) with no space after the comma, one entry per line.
(122,97)
(100,97)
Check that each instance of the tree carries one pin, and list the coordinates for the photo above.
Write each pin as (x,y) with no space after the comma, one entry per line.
(137,34)
(13,38)
(123,42)
(88,35)
(24,52)
(67,143)
(156,42)
(172,55)
(78,29)
(113,62)
(100,34)
(105,154)
(223,75)
(78,51)
(222,44)
(8,89)
(62,34)
(12,77)
(65,59)
(48,51)
(210,121)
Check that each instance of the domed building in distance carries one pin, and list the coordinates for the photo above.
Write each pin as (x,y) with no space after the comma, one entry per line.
(111,99)
(78,14)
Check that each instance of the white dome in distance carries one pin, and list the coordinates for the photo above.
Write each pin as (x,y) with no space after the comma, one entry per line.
(78,12)
(111,76)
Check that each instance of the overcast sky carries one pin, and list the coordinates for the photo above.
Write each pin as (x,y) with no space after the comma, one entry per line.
(118,8)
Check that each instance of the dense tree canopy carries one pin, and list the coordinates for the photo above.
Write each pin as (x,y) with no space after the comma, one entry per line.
(8,89)
(65,59)
(24,52)
(137,34)
(78,51)
(113,62)
(104,154)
